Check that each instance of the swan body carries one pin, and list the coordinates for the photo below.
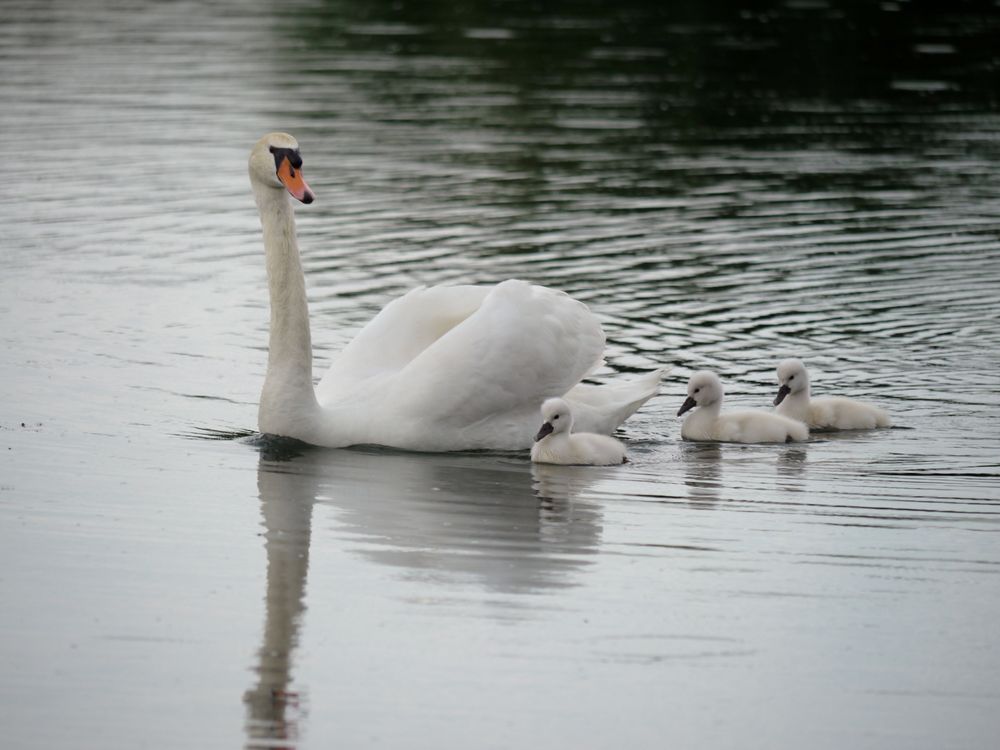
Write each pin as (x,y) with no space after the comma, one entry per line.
(709,422)
(823,412)
(556,443)
(439,369)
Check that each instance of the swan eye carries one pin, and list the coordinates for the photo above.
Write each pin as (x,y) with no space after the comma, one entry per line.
(697,389)
(555,417)
(791,377)
(292,154)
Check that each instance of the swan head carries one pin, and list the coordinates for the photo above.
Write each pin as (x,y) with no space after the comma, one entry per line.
(556,418)
(704,388)
(275,161)
(792,378)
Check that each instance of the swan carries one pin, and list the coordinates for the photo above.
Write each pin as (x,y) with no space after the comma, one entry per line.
(824,412)
(556,443)
(705,391)
(438,369)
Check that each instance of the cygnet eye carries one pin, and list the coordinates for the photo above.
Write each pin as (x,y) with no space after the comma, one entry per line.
(697,389)
(791,377)
(556,416)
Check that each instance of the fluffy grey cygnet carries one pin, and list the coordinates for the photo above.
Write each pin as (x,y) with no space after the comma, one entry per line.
(823,412)
(556,443)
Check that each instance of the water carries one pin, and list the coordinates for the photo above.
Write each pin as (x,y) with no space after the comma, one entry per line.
(724,187)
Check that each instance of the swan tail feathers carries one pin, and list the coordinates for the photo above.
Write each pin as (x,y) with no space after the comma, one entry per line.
(602,408)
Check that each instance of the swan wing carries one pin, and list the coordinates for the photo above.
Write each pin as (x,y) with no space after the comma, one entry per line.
(841,413)
(492,370)
(398,334)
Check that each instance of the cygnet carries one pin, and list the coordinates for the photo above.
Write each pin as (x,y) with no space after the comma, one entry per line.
(555,442)
(708,422)
(824,412)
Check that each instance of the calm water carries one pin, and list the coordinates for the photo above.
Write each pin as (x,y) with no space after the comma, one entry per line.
(723,187)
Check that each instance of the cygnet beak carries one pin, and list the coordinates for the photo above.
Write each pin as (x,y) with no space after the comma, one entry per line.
(689,403)
(783,391)
(546,429)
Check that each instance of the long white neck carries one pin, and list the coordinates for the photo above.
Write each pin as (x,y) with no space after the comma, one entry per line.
(288,398)
(700,423)
(710,410)
(796,405)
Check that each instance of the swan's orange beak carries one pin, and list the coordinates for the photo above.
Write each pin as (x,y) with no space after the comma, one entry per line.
(293,181)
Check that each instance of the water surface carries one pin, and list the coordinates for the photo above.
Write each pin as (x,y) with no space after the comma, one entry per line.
(724,187)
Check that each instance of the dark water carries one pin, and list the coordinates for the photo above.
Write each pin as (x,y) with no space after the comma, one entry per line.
(724,186)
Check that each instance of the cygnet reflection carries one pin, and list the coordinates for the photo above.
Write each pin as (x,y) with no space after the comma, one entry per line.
(790,466)
(566,521)
(702,471)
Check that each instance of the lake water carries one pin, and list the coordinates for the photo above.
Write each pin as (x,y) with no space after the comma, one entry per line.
(724,187)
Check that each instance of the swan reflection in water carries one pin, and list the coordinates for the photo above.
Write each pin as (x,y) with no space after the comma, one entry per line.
(481,518)
(286,506)
(781,466)
(702,471)
(790,468)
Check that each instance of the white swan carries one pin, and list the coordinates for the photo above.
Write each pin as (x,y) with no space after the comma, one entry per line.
(746,426)
(441,368)
(556,443)
(824,412)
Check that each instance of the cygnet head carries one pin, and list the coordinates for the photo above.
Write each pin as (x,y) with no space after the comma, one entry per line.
(704,388)
(556,418)
(792,378)
(275,162)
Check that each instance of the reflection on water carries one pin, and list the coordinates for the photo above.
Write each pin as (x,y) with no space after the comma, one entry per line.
(791,466)
(274,706)
(725,184)
(702,471)
(472,518)
(705,476)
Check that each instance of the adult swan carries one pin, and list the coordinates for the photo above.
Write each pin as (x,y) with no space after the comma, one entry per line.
(439,369)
